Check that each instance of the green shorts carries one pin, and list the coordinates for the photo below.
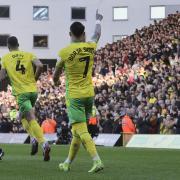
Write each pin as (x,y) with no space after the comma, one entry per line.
(26,101)
(79,110)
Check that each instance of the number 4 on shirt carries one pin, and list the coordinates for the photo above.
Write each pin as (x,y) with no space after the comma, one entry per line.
(20,67)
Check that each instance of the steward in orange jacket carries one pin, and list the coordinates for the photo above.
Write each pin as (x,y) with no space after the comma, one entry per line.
(49,126)
(128,125)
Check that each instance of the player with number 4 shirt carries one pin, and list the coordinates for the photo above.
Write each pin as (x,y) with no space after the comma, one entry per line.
(18,66)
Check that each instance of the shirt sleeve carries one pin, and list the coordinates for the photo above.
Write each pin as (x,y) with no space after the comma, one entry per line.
(33,57)
(60,61)
(94,45)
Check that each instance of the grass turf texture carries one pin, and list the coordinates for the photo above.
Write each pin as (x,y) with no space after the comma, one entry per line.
(120,164)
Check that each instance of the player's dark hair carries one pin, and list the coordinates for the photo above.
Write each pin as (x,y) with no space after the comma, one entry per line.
(12,42)
(77,29)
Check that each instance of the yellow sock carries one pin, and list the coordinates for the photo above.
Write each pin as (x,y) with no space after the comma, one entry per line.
(88,143)
(27,127)
(74,147)
(37,131)
(86,139)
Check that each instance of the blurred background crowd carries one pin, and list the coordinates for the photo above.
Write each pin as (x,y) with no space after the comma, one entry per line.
(137,86)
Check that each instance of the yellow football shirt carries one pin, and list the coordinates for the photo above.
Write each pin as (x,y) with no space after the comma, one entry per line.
(77,60)
(19,67)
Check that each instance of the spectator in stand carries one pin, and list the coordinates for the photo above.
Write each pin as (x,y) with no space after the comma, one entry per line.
(128,125)
(167,125)
(49,126)
(5,124)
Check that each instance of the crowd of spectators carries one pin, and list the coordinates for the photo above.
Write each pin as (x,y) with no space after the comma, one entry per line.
(138,76)
(146,82)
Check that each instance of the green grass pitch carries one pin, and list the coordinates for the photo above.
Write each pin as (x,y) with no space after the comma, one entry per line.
(120,164)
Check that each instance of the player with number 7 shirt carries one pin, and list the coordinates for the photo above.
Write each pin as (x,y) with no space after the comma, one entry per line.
(77,61)
(18,66)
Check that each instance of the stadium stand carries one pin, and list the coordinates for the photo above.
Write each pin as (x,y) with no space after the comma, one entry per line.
(138,76)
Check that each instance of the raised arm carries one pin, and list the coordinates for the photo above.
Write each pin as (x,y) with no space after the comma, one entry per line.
(97,33)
